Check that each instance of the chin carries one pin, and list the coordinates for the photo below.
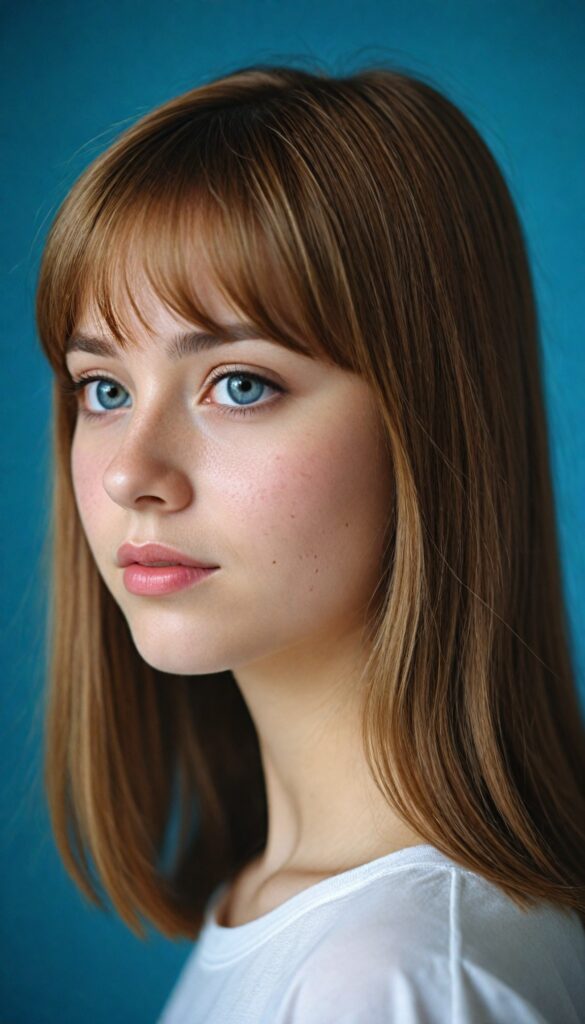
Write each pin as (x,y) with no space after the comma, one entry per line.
(176,656)
(175,665)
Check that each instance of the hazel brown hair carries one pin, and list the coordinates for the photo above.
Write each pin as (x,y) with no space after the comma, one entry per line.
(363,216)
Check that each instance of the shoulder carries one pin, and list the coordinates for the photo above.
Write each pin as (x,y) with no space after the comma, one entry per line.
(441,945)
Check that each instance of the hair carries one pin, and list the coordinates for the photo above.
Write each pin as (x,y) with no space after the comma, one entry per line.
(365,217)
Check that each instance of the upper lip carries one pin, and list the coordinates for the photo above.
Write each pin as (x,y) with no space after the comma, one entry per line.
(146,554)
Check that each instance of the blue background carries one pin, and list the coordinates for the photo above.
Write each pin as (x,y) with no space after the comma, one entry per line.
(75,74)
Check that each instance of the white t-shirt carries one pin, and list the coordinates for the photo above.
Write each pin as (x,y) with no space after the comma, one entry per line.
(408,938)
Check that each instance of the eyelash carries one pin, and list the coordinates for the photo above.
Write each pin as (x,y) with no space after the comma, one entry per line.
(76,385)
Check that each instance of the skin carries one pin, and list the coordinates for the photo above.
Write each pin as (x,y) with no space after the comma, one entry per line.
(291,502)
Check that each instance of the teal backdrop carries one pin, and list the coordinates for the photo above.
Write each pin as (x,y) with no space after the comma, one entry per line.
(73,74)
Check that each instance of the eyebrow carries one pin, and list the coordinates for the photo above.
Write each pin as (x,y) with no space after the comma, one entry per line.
(181,345)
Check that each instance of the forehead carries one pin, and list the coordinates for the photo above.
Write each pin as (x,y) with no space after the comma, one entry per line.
(180,338)
(129,309)
(143,311)
(145,321)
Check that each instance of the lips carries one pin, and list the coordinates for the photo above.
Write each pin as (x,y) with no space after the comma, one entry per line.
(148,554)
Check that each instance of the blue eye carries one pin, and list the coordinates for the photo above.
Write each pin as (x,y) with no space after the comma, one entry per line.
(107,392)
(242,385)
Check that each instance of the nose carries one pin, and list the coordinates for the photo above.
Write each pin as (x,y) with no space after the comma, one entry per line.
(148,467)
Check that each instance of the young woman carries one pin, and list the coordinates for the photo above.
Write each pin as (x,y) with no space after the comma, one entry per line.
(296,359)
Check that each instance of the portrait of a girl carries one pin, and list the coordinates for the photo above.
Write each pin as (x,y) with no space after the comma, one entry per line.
(311,702)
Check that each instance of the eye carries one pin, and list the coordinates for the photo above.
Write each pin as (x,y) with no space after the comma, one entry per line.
(243,387)
(108,391)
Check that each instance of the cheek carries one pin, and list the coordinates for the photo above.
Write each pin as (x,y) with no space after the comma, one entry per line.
(87,475)
(314,506)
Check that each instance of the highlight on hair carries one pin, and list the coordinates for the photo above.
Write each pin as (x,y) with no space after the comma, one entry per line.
(362,216)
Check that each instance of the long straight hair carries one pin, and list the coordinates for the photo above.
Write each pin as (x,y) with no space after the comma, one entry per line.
(365,217)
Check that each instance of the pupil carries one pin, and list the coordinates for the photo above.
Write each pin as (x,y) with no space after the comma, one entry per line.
(243,385)
(112,391)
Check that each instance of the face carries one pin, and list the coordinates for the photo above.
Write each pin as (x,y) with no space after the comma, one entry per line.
(290,499)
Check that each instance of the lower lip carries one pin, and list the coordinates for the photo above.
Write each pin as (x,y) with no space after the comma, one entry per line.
(162,579)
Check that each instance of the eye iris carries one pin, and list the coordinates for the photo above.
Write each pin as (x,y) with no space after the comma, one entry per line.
(246,385)
(239,386)
(105,389)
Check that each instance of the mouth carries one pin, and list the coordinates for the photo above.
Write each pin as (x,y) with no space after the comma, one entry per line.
(157,565)
(155,555)
(158,580)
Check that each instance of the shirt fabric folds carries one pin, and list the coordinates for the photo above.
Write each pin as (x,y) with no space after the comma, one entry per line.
(408,938)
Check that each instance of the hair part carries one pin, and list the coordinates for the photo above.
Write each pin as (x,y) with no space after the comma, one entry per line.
(362,217)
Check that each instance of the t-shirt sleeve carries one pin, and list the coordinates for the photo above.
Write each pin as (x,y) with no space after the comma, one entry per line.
(432,992)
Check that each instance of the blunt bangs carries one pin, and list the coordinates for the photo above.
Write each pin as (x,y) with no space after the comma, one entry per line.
(166,210)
